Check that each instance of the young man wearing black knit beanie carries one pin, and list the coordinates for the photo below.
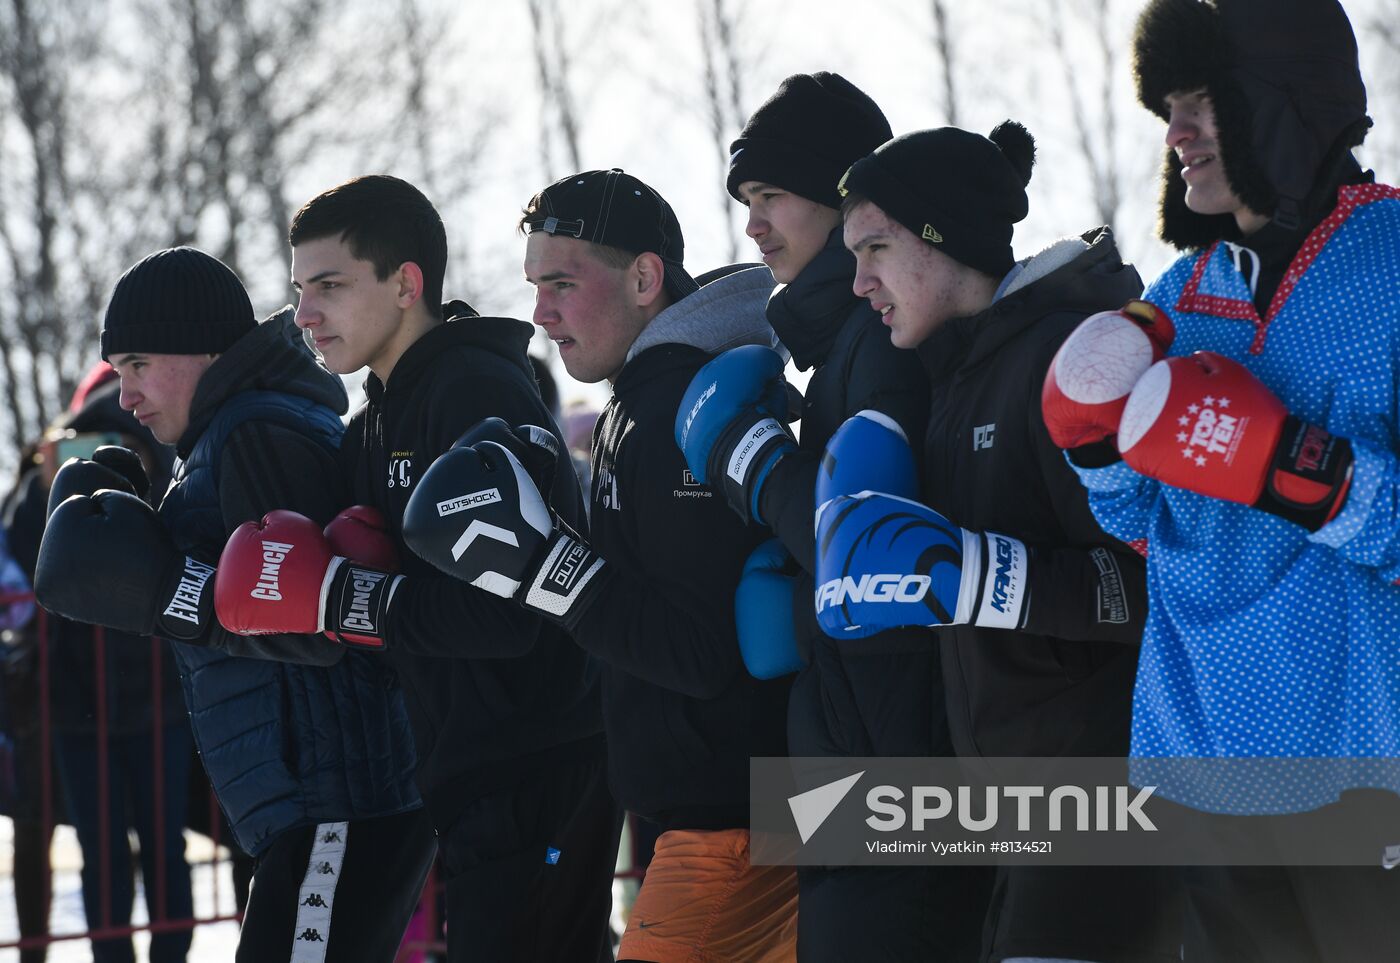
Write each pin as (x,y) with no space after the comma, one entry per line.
(1039,648)
(307,745)
(886,697)
(1274,630)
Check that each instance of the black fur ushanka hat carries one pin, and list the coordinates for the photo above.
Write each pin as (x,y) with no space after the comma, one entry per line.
(1286,88)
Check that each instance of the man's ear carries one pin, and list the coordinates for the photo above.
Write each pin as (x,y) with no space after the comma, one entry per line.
(410,278)
(649,276)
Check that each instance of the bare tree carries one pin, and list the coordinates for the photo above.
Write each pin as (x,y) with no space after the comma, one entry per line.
(722,82)
(1096,126)
(46,308)
(558,115)
(943,44)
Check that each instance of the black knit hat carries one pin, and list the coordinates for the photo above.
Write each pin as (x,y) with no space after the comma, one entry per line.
(805,136)
(1286,89)
(614,209)
(959,191)
(176,301)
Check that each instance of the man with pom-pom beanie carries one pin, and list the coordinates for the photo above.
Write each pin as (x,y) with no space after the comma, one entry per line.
(929,217)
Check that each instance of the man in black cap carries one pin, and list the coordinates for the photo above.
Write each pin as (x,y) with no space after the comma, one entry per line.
(1039,648)
(884,697)
(1285,292)
(650,592)
(312,762)
(512,761)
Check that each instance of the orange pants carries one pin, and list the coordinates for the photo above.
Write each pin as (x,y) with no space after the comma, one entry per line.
(702,902)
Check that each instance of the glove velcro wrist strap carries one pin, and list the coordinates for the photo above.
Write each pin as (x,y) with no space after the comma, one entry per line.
(751,446)
(356,602)
(1003,594)
(568,577)
(189,608)
(1310,475)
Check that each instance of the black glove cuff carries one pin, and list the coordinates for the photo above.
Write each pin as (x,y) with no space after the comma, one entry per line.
(357,604)
(569,576)
(189,607)
(1097,454)
(1310,475)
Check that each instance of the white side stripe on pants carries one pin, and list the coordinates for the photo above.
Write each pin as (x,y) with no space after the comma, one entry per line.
(317,896)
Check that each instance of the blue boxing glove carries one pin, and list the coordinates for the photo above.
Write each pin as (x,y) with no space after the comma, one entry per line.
(869,452)
(730,424)
(763,613)
(885,561)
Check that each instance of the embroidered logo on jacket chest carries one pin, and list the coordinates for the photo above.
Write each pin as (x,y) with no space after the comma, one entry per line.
(400,469)
(605,490)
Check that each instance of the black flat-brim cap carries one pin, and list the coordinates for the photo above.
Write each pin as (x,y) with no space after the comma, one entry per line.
(615,209)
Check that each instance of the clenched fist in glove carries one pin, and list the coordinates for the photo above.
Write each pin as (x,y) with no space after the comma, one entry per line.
(1207,424)
(283,575)
(1091,376)
(111,466)
(885,560)
(106,559)
(478,515)
(730,425)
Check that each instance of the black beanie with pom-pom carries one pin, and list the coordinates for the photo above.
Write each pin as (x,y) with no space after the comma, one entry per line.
(959,191)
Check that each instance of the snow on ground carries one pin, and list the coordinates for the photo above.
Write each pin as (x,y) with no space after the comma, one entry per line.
(213,942)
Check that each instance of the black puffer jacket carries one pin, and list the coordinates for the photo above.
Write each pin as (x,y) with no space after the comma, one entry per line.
(1063,685)
(880,695)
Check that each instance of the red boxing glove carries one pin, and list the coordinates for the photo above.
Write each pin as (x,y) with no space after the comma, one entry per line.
(1094,371)
(281,575)
(1207,424)
(360,533)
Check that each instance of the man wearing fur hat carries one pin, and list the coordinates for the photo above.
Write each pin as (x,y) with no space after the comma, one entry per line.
(884,697)
(1262,469)
(1039,647)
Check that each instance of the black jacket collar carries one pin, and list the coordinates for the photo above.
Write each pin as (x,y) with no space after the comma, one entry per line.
(808,313)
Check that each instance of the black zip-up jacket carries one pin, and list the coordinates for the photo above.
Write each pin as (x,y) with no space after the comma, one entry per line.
(1063,685)
(880,695)
(682,715)
(492,690)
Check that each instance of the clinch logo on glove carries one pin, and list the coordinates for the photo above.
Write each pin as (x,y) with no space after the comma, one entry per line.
(464,502)
(362,601)
(872,588)
(267,587)
(184,604)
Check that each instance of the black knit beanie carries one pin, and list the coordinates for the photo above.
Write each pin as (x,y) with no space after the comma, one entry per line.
(959,191)
(1286,88)
(805,136)
(176,301)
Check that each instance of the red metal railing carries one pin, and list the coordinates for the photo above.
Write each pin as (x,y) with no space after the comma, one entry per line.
(427,940)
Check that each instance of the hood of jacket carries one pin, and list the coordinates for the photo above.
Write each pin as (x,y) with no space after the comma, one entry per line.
(725,313)
(808,313)
(1083,275)
(272,357)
